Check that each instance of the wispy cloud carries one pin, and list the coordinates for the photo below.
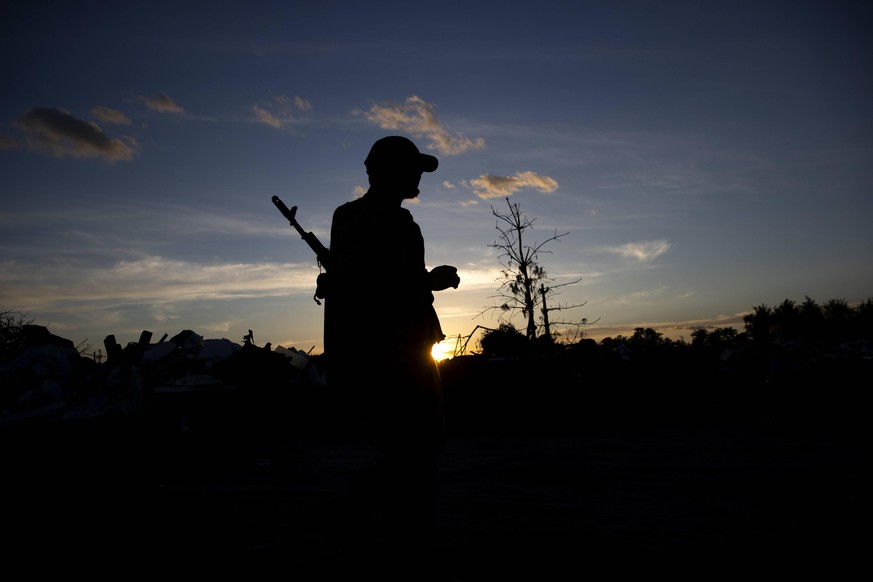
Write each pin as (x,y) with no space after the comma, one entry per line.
(641,251)
(302,104)
(163,104)
(416,117)
(487,186)
(109,115)
(107,234)
(639,297)
(669,329)
(278,112)
(150,280)
(8,142)
(266,117)
(59,133)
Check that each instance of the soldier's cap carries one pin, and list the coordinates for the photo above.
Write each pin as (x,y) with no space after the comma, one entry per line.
(396,151)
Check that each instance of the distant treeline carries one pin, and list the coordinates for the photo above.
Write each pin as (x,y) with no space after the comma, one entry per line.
(788,346)
(796,364)
(821,326)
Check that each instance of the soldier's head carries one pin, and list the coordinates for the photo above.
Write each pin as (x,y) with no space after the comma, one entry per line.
(395,165)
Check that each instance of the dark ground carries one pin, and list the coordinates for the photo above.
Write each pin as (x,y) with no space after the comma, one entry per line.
(650,489)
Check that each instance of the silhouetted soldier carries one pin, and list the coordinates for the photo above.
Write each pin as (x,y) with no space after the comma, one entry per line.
(380,327)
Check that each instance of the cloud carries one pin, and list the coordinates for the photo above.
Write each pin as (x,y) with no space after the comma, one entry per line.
(60,134)
(154,280)
(302,104)
(669,329)
(109,115)
(162,103)
(639,297)
(267,117)
(278,111)
(487,186)
(150,279)
(416,116)
(641,251)
(8,142)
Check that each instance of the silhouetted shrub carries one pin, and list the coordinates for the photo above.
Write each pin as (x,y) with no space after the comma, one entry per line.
(506,341)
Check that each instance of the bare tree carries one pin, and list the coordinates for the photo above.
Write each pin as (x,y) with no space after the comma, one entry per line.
(12,325)
(525,284)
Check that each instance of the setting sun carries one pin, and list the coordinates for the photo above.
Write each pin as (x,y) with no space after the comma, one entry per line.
(442,351)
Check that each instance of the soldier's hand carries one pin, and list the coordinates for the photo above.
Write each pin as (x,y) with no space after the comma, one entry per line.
(443,277)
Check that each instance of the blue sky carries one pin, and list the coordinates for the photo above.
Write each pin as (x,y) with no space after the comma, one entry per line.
(702,158)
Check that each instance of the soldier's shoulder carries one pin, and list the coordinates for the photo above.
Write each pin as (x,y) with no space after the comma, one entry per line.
(346,207)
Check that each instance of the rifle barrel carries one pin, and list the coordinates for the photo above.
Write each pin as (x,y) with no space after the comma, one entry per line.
(322,253)
(289,214)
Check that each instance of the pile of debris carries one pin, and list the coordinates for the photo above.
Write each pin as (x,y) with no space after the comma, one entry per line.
(50,379)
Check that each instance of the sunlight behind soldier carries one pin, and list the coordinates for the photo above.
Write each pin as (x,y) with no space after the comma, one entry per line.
(442,350)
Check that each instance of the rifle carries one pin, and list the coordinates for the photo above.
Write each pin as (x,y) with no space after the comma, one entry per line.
(322,253)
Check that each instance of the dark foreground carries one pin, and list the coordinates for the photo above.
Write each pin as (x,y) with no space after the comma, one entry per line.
(102,498)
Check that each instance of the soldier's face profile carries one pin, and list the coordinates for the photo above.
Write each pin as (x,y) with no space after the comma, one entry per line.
(411,181)
(401,180)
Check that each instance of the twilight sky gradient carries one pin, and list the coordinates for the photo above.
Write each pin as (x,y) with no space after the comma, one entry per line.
(703,157)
